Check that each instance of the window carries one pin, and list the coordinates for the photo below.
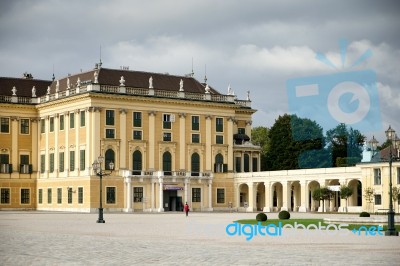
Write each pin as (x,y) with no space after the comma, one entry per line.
(72,160)
(219,139)
(61,122)
(219,124)
(378,199)
(5,166)
(61,162)
(137,163)
(110,117)
(246,163)
(25,195)
(195,163)
(220,195)
(51,124)
(195,122)
(166,136)
(71,120)
(40,196)
(238,164)
(110,197)
(24,124)
(241,130)
(377,176)
(25,167)
(82,116)
(5,196)
(42,126)
(51,163)
(255,164)
(137,134)
(137,119)
(80,195)
(70,195)
(109,157)
(195,138)
(59,195)
(49,195)
(82,160)
(219,166)
(138,194)
(166,121)
(5,125)
(196,194)
(167,163)
(110,133)
(42,163)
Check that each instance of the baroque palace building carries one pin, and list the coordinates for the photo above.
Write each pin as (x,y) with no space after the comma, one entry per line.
(171,139)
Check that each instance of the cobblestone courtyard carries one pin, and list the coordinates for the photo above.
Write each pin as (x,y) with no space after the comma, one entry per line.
(41,238)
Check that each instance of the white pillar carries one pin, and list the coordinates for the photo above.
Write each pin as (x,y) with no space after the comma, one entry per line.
(128,187)
(161,207)
(151,149)
(304,196)
(285,196)
(208,143)
(122,134)
(152,195)
(251,197)
(267,205)
(210,208)
(182,141)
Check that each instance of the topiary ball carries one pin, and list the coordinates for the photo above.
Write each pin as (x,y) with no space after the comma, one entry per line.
(261,217)
(364,214)
(284,215)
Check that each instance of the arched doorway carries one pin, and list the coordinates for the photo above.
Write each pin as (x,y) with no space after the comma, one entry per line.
(260,196)
(244,195)
(277,196)
(312,204)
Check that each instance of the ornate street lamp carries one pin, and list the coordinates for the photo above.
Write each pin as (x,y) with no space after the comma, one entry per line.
(373,144)
(391,230)
(99,172)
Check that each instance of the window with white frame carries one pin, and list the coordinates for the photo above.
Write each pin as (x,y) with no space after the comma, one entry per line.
(24,126)
(5,125)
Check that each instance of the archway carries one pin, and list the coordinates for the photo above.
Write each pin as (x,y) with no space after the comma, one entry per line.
(312,204)
(277,196)
(356,198)
(243,195)
(260,196)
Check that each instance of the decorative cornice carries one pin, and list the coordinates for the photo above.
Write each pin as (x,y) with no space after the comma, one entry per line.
(14,118)
(208,117)
(123,111)
(182,115)
(152,112)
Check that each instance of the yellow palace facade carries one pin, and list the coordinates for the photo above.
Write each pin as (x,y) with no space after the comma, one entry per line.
(171,139)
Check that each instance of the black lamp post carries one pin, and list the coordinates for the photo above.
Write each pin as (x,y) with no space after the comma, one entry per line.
(391,230)
(99,172)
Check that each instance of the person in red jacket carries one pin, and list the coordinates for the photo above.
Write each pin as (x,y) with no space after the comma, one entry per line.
(186,209)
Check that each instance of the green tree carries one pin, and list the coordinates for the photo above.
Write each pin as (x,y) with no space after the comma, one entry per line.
(396,196)
(344,142)
(295,143)
(259,136)
(345,193)
(322,193)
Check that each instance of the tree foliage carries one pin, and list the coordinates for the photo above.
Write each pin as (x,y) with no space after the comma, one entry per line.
(345,193)
(295,143)
(259,136)
(344,142)
(322,193)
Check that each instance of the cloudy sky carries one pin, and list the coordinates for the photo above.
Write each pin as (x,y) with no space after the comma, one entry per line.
(251,45)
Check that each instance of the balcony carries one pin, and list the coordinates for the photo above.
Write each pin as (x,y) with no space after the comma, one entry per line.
(6,168)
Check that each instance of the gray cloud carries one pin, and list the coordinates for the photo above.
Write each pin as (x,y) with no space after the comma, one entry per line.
(252,45)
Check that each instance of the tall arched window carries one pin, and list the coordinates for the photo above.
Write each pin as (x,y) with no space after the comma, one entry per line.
(109,157)
(219,163)
(195,164)
(167,163)
(246,163)
(137,162)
